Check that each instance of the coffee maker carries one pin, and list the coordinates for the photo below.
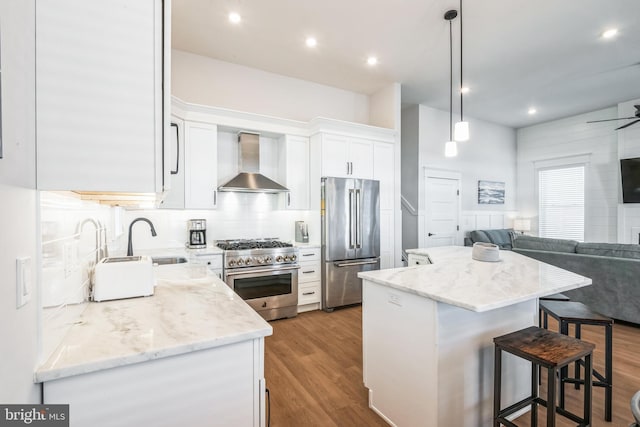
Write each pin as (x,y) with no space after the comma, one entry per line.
(197,233)
(302,232)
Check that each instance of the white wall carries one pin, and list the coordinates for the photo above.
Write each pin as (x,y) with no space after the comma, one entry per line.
(18,222)
(201,80)
(489,155)
(572,137)
(628,146)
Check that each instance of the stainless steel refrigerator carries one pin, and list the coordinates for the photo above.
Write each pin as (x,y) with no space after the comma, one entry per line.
(350,210)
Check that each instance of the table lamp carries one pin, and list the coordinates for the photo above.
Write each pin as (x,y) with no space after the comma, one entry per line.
(522,225)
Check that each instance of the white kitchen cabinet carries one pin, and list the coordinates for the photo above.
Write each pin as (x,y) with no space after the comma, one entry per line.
(386,239)
(222,386)
(102,78)
(309,279)
(294,171)
(346,157)
(201,171)
(212,261)
(174,197)
(383,171)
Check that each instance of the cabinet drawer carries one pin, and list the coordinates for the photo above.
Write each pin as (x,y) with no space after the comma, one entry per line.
(309,272)
(309,254)
(309,294)
(211,261)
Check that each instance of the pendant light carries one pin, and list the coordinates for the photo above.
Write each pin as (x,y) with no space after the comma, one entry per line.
(462,128)
(450,148)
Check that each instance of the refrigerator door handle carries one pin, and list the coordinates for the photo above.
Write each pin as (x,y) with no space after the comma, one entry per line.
(358,221)
(350,264)
(351,246)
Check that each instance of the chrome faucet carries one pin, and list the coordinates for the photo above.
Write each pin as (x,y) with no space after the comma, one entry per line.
(153,233)
(98,228)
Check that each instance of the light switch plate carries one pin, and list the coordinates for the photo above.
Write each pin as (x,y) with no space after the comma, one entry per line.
(23,281)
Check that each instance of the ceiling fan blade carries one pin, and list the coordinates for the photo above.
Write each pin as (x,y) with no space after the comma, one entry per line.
(609,120)
(628,124)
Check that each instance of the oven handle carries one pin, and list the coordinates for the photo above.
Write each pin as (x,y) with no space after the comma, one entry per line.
(236,273)
(337,264)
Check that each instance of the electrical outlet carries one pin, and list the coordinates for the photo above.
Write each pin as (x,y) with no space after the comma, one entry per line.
(23,281)
(395,299)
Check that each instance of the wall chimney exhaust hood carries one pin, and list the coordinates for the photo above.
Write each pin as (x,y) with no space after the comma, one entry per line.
(250,180)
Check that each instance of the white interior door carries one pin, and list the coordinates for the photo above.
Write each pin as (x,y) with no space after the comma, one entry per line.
(442,201)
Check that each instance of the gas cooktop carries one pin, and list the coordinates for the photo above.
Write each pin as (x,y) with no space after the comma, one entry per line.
(245,244)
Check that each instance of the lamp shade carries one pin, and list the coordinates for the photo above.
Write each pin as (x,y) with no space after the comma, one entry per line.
(522,224)
(461,131)
(450,149)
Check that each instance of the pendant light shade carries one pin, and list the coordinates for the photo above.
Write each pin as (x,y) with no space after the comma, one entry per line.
(461,132)
(450,149)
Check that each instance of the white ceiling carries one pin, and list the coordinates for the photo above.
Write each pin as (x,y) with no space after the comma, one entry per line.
(517,54)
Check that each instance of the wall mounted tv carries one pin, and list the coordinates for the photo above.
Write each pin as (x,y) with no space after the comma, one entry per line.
(630,171)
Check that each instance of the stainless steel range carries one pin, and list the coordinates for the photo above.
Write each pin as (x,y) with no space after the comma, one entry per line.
(264,273)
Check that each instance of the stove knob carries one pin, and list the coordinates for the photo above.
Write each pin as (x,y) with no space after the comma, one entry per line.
(260,260)
(279,258)
(286,258)
(248,261)
(293,257)
(240,262)
(231,263)
(268,260)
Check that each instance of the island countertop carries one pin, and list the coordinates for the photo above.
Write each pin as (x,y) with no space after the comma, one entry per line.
(457,279)
(185,314)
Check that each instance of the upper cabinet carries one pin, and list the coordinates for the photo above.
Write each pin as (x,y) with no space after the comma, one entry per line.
(102,79)
(345,157)
(294,171)
(194,167)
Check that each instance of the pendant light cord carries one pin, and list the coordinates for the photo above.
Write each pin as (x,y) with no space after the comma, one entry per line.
(461,85)
(450,81)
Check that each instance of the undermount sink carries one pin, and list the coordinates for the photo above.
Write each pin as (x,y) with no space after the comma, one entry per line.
(164,260)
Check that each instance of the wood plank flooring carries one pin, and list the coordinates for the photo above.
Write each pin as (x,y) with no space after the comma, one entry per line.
(313,368)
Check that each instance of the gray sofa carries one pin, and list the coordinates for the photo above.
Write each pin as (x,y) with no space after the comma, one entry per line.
(613,268)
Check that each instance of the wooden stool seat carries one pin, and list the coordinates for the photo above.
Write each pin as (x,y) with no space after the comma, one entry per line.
(552,351)
(578,314)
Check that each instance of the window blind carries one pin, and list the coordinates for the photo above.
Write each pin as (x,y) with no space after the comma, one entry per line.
(561,202)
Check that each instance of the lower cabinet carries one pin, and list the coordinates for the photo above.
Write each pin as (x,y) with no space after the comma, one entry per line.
(309,279)
(222,386)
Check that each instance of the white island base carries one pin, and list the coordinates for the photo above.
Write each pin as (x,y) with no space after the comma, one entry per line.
(428,363)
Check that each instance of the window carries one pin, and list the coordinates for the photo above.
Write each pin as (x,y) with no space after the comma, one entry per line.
(561,202)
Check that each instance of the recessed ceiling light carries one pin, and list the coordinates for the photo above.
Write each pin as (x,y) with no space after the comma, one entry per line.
(372,60)
(532,111)
(610,33)
(311,42)
(235,18)
(464,89)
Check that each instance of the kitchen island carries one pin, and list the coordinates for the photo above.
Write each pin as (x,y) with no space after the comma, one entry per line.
(428,334)
(191,354)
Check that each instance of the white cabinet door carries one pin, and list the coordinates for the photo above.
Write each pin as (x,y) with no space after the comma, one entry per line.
(361,158)
(347,157)
(99,79)
(294,168)
(335,156)
(201,172)
(174,198)
(383,171)
(386,239)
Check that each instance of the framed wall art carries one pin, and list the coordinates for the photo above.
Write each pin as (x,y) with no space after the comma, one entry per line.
(490,193)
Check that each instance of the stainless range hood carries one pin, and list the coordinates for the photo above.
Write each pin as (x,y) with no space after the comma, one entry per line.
(250,180)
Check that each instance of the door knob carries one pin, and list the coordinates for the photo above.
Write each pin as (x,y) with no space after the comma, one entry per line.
(431,234)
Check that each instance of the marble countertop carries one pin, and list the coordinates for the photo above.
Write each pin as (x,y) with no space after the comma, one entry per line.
(191,310)
(457,279)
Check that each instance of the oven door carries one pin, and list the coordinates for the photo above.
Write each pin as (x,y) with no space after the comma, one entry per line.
(265,288)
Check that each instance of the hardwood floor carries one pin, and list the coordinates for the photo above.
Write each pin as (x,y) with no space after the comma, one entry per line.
(313,368)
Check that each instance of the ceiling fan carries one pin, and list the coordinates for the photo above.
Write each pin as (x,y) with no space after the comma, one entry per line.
(636,117)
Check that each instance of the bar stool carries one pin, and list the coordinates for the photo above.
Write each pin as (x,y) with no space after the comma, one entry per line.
(550,350)
(578,314)
(542,317)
